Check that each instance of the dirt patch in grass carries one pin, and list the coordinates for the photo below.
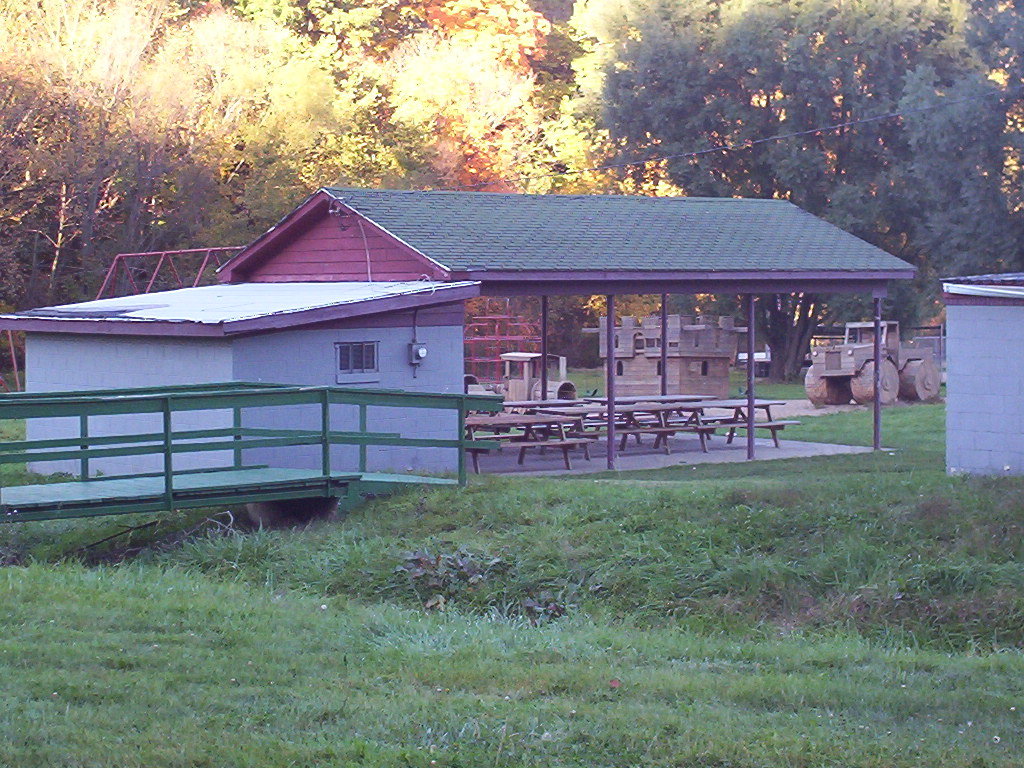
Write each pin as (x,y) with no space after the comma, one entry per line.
(764,496)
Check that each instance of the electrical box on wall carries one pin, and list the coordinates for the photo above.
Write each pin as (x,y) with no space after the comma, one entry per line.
(417,353)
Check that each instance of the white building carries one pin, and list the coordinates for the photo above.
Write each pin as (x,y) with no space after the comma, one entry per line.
(355,334)
(985,374)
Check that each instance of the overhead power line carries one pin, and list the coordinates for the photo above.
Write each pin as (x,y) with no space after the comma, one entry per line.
(736,146)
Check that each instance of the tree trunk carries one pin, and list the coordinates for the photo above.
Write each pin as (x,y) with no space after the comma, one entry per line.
(788,323)
(58,244)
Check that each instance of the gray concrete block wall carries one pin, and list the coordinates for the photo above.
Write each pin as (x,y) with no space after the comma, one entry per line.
(985,390)
(68,362)
(308,357)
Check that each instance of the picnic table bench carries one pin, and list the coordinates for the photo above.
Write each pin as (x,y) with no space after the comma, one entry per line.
(736,419)
(669,414)
(637,419)
(530,405)
(567,425)
(526,431)
(634,399)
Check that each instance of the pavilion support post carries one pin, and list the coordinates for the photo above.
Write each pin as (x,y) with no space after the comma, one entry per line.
(750,375)
(664,344)
(609,376)
(877,400)
(543,349)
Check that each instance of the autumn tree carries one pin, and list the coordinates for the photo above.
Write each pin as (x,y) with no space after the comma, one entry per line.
(680,76)
(130,125)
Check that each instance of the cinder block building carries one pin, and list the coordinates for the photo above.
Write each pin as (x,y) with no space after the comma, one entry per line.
(984,374)
(391,335)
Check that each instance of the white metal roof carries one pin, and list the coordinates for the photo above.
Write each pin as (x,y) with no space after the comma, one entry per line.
(993,291)
(216,304)
(238,307)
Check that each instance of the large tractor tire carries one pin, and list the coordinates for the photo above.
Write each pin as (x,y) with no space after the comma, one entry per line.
(863,384)
(826,390)
(920,380)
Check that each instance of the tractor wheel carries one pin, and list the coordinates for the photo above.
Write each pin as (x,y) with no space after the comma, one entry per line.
(863,384)
(826,390)
(920,380)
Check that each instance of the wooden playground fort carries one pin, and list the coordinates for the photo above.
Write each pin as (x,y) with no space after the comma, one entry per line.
(698,356)
(358,295)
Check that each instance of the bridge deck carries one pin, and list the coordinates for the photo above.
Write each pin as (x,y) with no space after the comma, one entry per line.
(212,486)
(84,498)
(146,494)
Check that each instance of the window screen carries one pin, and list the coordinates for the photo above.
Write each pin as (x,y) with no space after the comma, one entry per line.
(357,356)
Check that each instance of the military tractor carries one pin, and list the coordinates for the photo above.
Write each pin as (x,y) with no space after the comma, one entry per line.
(845,371)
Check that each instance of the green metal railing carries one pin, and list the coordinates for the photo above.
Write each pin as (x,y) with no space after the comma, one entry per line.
(235,398)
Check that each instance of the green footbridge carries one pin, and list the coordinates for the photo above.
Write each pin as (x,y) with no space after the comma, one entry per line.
(99,425)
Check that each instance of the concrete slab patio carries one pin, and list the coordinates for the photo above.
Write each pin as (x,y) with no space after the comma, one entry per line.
(685,451)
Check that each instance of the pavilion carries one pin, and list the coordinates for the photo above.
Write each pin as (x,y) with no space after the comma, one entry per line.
(549,245)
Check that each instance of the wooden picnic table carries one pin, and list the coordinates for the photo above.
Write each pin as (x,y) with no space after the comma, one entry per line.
(631,421)
(532,404)
(530,423)
(694,417)
(697,416)
(578,411)
(633,399)
(738,406)
(535,430)
(627,411)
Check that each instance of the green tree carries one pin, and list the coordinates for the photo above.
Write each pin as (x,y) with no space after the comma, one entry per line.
(682,75)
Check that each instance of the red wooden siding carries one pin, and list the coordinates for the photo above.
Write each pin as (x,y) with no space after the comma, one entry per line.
(323,251)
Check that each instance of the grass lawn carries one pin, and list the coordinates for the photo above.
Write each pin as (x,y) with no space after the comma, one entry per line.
(11,430)
(588,380)
(847,611)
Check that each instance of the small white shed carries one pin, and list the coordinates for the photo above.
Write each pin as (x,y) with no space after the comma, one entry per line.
(985,374)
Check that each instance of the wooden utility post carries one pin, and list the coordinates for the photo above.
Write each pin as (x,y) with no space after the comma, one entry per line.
(750,375)
(609,376)
(543,349)
(877,400)
(664,344)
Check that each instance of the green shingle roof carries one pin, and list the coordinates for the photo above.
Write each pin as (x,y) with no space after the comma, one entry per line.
(491,231)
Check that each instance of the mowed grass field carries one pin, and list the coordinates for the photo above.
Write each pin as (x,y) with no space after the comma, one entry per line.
(845,611)
(589,380)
